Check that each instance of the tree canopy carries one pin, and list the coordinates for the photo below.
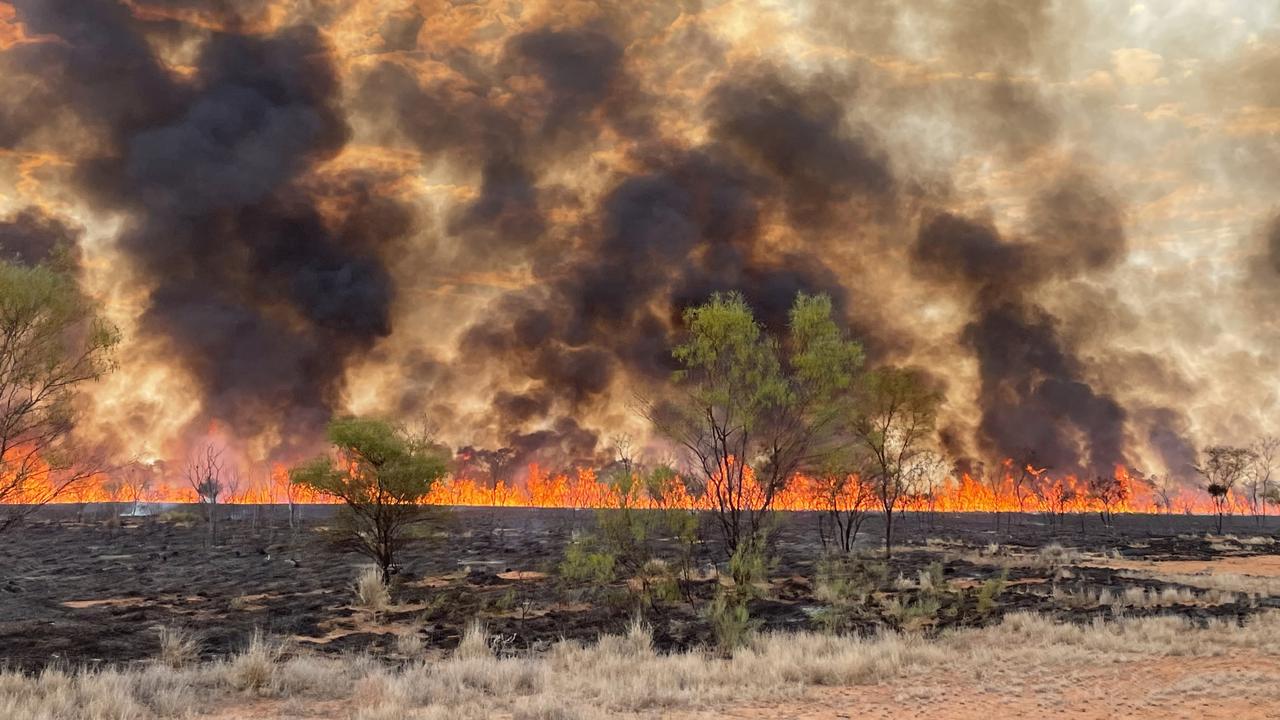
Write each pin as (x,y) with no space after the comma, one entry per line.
(52,343)
(746,398)
(382,474)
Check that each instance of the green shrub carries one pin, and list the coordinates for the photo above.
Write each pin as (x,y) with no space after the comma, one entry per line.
(730,620)
(585,566)
(991,590)
(916,613)
(844,585)
(749,565)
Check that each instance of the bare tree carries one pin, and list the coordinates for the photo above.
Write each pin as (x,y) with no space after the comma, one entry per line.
(846,500)
(892,429)
(205,474)
(290,492)
(137,479)
(1109,492)
(1025,477)
(992,475)
(1223,466)
(1259,475)
(1164,488)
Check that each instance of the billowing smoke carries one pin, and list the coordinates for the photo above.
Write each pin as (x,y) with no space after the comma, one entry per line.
(257,292)
(1034,394)
(492,218)
(30,236)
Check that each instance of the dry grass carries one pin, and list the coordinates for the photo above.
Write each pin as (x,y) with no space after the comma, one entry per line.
(1053,556)
(178,646)
(371,593)
(1138,597)
(617,675)
(1251,585)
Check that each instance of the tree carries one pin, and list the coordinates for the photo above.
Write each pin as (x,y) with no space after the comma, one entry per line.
(1026,478)
(1164,488)
(495,465)
(845,499)
(1222,468)
(1261,468)
(52,344)
(893,426)
(205,473)
(137,479)
(382,474)
(751,411)
(1109,491)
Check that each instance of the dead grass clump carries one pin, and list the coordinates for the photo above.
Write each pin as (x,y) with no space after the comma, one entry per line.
(474,643)
(1054,555)
(254,668)
(371,593)
(409,643)
(178,646)
(318,677)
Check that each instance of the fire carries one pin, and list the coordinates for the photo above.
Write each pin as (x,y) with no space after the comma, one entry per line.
(1010,491)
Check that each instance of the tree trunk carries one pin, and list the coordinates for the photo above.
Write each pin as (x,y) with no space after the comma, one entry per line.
(888,533)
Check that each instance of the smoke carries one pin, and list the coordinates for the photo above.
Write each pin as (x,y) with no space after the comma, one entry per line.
(31,236)
(260,294)
(494,216)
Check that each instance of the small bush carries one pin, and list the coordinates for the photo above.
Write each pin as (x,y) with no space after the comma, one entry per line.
(915,614)
(991,590)
(474,644)
(254,668)
(409,643)
(749,565)
(1054,555)
(178,647)
(584,566)
(371,593)
(730,621)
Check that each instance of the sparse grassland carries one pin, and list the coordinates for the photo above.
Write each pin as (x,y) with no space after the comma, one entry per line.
(512,614)
(1027,661)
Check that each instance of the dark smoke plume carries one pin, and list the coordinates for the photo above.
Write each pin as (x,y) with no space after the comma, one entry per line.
(275,260)
(262,296)
(31,236)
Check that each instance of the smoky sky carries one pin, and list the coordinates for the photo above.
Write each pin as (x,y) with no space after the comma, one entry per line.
(31,236)
(604,169)
(257,294)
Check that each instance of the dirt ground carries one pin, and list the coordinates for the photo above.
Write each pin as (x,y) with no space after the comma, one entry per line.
(81,591)
(1155,689)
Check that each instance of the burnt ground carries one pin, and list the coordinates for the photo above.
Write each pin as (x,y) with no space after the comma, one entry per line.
(79,589)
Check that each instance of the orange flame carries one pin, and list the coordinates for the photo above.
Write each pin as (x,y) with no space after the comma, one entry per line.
(1034,491)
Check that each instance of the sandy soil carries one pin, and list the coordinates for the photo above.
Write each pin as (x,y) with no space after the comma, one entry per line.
(1255,566)
(1235,688)
(1225,688)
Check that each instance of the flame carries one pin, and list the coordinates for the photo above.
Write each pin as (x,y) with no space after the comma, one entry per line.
(1034,491)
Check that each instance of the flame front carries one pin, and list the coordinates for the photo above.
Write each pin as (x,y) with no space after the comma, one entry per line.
(585,489)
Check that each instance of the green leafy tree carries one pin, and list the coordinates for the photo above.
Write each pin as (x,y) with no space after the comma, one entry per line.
(892,428)
(745,399)
(382,474)
(52,344)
